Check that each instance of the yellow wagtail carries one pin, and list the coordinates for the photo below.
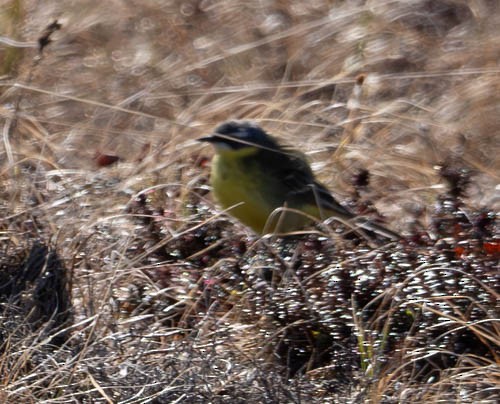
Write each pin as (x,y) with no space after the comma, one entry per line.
(254,176)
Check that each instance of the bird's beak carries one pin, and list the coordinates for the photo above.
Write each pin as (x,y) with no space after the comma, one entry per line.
(209,139)
(216,141)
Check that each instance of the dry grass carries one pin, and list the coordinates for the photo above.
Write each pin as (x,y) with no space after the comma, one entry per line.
(120,281)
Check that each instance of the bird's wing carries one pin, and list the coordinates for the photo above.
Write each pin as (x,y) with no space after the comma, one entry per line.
(302,188)
(317,194)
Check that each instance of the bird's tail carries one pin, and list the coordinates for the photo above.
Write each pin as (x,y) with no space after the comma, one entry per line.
(374,229)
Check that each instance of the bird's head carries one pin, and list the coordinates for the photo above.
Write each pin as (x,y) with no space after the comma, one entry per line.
(240,136)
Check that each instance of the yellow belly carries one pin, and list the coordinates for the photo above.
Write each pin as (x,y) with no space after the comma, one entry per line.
(238,190)
(251,196)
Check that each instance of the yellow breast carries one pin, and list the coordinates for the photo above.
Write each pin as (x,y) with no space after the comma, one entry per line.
(240,189)
(251,194)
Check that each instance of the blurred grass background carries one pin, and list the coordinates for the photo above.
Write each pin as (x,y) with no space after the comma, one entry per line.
(144,79)
(139,81)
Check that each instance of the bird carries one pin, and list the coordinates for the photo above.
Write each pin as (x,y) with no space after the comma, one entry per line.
(270,187)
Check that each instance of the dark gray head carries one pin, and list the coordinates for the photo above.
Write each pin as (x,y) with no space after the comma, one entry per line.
(236,135)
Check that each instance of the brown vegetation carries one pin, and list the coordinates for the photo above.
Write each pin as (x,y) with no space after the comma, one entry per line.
(121,281)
